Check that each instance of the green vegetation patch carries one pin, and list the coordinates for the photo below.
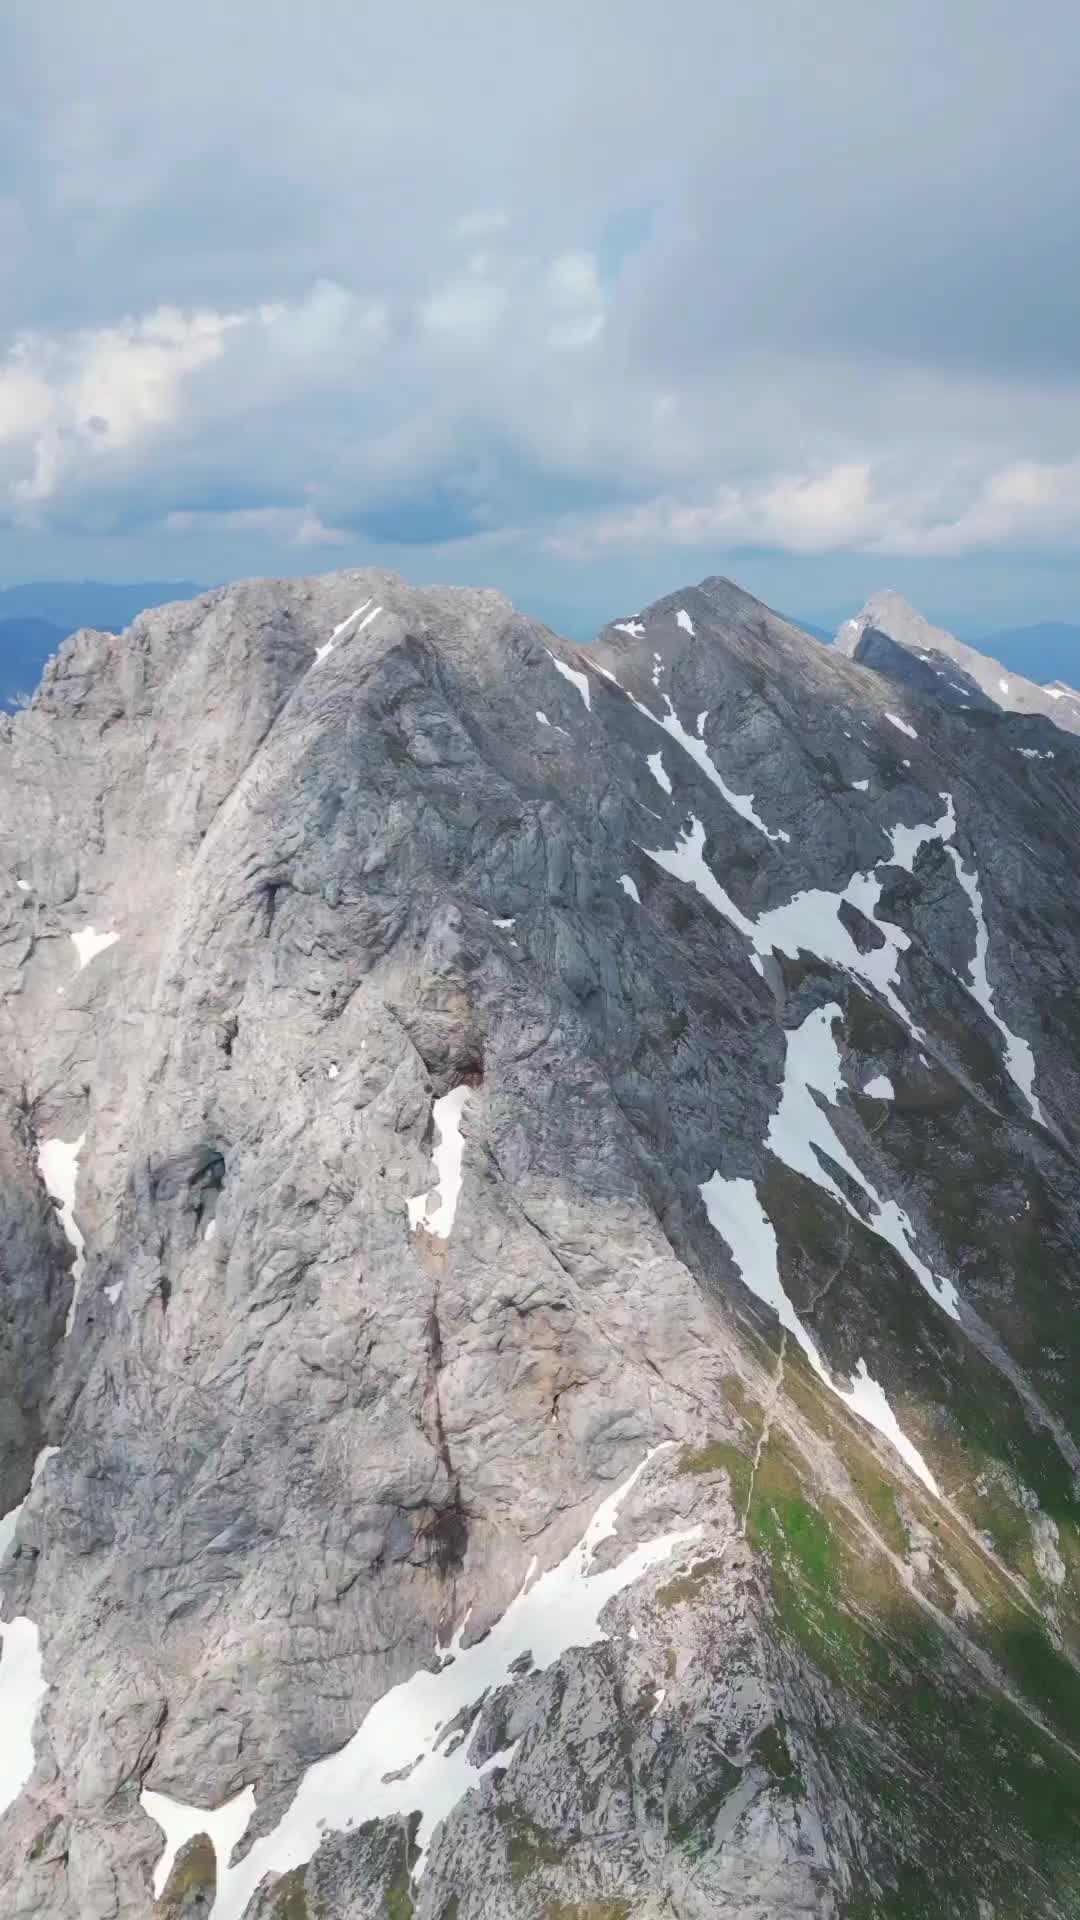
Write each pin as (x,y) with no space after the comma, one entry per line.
(194,1873)
(720,1457)
(688,1588)
(529,1847)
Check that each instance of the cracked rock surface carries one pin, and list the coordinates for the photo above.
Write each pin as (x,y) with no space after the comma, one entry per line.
(450,1509)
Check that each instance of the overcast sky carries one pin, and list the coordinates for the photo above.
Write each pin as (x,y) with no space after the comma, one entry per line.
(584,299)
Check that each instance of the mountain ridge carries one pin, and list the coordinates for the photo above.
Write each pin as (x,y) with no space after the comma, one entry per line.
(888,613)
(607,1109)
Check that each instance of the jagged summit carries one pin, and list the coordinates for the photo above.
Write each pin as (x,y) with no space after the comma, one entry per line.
(961,670)
(539,1310)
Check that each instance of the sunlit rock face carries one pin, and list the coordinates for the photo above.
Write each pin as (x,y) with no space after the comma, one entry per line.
(539,1278)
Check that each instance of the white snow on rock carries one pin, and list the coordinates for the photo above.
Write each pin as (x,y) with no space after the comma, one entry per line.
(800,1131)
(23,886)
(895,720)
(656,767)
(543,719)
(333,1070)
(211,1230)
(179,1823)
(658,668)
(58,1162)
(112,1294)
(1019,1059)
(628,886)
(89,944)
(701,719)
(686,861)
(682,619)
(22,1689)
(905,842)
(635,628)
(558,1610)
(880,1087)
(343,631)
(578,680)
(435,1210)
(1004,685)
(1032,753)
(860,786)
(22,1683)
(504,923)
(692,744)
(736,1213)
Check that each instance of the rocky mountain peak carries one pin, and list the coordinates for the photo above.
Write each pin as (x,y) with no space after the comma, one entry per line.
(890,635)
(539,1293)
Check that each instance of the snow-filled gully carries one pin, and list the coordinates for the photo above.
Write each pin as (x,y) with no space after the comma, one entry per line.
(798,1131)
(404,1732)
(810,922)
(436,1210)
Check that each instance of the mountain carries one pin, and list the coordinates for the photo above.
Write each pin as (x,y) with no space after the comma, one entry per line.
(893,637)
(35,619)
(1049,651)
(540,1286)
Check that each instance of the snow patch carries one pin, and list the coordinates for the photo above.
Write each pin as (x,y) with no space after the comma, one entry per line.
(701,719)
(686,861)
(1032,753)
(880,1087)
(800,1131)
(895,720)
(343,631)
(861,786)
(504,923)
(1004,685)
(559,1610)
(658,668)
(737,1215)
(23,886)
(628,887)
(635,628)
(543,719)
(22,1683)
(333,1070)
(225,1826)
(435,1210)
(112,1294)
(58,1163)
(578,680)
(692,744)
(89,944)
(683,620)
(1019,1059)
(656,767)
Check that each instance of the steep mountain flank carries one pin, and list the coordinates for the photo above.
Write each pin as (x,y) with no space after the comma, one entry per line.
(892,637)
(566,1219)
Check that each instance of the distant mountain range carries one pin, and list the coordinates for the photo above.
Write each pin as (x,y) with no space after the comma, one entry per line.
(1047,651)
(37,617)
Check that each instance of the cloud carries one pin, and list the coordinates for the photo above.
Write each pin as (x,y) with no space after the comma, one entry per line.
(783,278)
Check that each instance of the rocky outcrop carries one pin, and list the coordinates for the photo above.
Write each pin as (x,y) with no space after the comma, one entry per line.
(893,638)
(568,1409)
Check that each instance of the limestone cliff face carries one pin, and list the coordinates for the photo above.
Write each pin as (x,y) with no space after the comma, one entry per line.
(567,1407)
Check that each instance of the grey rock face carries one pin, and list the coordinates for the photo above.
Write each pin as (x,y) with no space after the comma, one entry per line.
(932,660)
(689,1471)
